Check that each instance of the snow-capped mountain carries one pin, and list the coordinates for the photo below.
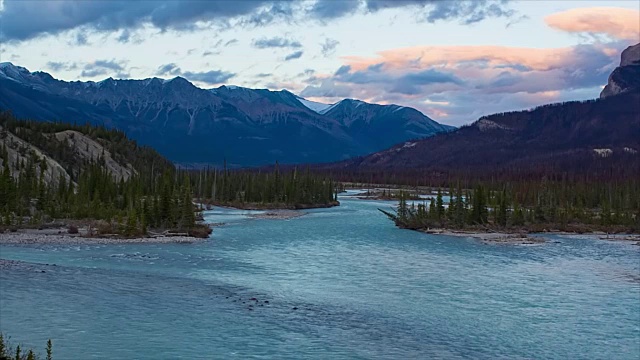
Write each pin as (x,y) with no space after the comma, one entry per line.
(318,107)
(193,125)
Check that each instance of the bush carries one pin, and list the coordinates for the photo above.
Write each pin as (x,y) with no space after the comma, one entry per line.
(72,229)
(200,231)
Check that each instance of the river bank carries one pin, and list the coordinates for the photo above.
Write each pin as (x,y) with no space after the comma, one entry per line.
(524,238)
(60,236)
(271,206)
(279,215)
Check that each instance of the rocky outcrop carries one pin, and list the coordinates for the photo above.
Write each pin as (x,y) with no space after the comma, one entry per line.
(625,77)
(84,148)
(90,150)
(19,152)
(631,56)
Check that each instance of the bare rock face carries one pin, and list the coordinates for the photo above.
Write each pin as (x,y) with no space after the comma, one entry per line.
(90,150)
(625,77)
(631,56)
(19,152)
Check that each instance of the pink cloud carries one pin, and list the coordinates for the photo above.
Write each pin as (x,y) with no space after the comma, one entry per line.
(492,78)
(618,23)
(454,57)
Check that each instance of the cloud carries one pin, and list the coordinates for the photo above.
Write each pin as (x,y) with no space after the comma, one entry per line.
(124,37)
(331,9)
(81,39)
(458,84)
(211,77)
(329,46)
(59,66)
(618,23)
(328,88)
(406,82)
(294,55)
(54,17)
(467,11)
(278,10)
(421,57)
(231,42)
(168,69)
(276,42)
(104,67)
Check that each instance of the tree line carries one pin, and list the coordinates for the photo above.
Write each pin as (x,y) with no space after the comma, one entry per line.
(531,206)
(156,196)
(7,352)
(274,188)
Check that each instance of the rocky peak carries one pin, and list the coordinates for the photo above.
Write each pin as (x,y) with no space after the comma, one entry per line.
(630,56)
(626,77)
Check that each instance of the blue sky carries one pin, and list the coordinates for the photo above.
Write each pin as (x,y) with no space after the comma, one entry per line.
(454,61)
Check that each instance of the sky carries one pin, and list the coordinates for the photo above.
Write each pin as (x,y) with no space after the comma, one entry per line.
(453,60)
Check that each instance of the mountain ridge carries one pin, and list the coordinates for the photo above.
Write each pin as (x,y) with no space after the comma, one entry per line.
(189,124)
(573,137)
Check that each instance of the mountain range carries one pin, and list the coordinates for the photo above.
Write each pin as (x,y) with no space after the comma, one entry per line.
(190,125)
(575,137)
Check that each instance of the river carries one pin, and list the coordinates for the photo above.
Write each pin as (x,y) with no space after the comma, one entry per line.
(338,283)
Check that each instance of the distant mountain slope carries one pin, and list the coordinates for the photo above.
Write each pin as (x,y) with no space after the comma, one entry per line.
(377,126)
(563,137)
(190,125)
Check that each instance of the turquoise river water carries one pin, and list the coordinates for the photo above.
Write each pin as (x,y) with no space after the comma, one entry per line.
(341,283)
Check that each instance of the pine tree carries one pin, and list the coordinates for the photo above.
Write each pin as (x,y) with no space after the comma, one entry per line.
(439,205)
(49,350)
(502,209)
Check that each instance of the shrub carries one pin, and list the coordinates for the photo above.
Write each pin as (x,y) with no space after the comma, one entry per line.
(200,231)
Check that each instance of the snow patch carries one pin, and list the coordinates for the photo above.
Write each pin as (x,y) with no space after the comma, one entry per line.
(398,108)
(326,110)
(318,107)
(13,72)
(603,152)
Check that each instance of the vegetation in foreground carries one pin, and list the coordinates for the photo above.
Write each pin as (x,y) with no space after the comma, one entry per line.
(7,352)
(528,207)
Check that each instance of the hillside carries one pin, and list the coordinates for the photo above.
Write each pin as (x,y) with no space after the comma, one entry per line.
(53,173)
(190,125)
(595,136)
(63,150)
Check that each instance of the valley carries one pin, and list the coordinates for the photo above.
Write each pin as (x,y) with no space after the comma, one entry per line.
(319,179)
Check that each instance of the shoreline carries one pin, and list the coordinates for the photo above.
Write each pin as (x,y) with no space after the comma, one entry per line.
(279,215)
(529,238)
(272,206)
(61,237)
